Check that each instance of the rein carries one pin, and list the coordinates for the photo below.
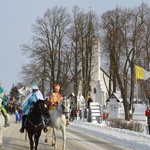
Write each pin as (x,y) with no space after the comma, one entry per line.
(34,124)
(59,110)
(62,112)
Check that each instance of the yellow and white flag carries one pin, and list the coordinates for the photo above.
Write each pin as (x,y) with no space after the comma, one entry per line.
(141,73)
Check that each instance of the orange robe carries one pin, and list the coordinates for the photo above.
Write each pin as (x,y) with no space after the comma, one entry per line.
(54,99)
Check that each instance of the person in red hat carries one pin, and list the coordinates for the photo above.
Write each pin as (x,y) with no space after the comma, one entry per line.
(55,97)
(54,100)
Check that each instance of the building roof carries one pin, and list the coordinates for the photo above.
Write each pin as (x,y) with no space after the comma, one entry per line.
(114,95)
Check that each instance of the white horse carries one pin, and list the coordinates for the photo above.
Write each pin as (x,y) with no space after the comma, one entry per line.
(1,126)
(58,121)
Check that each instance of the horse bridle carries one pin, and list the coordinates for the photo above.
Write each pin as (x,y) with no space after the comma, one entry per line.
(63,107)
(34,124)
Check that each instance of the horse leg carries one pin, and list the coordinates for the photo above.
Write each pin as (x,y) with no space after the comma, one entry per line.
(46,139)
(1,137)
(26,135)
(64,137)
(31,141)
(36,139)
(54,142)
(47,133)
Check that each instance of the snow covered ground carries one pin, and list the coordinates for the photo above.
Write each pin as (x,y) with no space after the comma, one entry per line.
(130,139)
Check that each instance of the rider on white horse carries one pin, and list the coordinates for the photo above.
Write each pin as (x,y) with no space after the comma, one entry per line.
(3,110)
(28,104)
(54,99)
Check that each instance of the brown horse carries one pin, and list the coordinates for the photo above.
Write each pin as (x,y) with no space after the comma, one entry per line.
(34,122)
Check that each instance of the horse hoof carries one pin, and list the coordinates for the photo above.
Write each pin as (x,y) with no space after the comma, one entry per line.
(46,140)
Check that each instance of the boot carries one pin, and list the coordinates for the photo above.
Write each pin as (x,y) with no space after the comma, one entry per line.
(45,129)
(6,123)
(23,124)
(4,113)
(45,124)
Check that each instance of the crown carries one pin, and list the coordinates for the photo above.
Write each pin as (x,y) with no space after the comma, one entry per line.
(57,86)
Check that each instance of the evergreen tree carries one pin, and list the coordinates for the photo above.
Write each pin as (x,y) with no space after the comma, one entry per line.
(14,93)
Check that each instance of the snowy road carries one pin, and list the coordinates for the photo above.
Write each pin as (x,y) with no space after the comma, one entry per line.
(129,139)
(80,135)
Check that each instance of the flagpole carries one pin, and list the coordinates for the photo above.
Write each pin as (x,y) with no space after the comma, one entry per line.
(137,99)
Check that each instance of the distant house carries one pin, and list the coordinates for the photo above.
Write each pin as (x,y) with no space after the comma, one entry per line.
(115,108)
(113,105)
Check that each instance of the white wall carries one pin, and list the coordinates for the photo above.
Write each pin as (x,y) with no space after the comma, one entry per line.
(113,108)
(97,78)
(138,115)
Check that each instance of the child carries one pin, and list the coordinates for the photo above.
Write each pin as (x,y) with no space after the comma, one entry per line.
(17,116)
(20,112)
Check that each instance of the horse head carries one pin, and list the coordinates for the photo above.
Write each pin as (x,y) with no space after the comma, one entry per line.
(42,107)
(65,106)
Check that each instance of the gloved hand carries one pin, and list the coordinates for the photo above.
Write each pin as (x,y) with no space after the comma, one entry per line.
(54,105)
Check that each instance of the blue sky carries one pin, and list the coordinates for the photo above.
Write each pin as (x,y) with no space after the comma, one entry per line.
(17,17)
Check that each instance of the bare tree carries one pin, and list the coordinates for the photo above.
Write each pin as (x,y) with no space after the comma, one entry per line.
(83,29)
(48,43)
(123,29)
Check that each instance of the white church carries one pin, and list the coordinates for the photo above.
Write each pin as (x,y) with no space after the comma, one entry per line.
(99,89)
(98,85)
(99,79)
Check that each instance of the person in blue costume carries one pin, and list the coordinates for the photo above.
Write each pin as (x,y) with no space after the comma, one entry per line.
(28,104)
(3,110)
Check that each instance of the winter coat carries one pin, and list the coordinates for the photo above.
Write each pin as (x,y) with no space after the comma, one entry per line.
(30,101)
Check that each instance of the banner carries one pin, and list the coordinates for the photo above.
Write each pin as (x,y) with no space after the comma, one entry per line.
(141,73)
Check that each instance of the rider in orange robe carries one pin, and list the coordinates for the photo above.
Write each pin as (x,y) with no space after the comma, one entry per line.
(55,97)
